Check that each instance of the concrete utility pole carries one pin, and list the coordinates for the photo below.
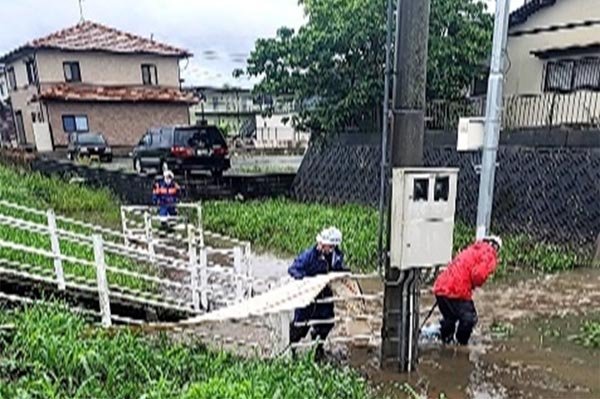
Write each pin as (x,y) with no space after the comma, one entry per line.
(408,127)
(596,258)
(384,176)
(493,119)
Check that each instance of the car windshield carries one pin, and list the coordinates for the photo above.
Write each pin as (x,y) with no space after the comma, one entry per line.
(90,138)
(194,136)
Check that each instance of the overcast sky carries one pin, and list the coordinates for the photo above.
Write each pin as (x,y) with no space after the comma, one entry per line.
(220,33)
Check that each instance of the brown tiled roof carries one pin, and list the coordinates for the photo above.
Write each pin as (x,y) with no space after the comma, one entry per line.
(92,36)
(69,92)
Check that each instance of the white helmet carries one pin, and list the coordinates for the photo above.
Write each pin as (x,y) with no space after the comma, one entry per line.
(167,174)
(494,240)
(330,236)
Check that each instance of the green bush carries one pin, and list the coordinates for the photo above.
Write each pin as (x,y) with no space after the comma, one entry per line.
(278,225)
(589,334)
(54,354)
(287,227)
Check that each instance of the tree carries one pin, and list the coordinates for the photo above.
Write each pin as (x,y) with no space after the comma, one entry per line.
(333,65)
(460,42)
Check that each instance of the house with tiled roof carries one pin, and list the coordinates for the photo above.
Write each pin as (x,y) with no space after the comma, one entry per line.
(553,68)
(93,78)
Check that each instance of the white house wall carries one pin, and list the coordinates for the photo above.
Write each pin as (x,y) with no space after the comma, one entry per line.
(526,72)
(101,68)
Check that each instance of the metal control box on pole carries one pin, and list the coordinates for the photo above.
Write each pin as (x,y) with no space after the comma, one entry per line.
(423,209)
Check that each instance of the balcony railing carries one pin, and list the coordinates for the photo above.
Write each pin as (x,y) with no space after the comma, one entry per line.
(577,109)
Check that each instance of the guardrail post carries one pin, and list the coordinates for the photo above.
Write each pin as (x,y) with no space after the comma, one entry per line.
(248,268)
(124,226)
(284,319)
(103,292)
(199,221)
(238,273)
(193,258)
(149,237)
(55,244)
(203,278)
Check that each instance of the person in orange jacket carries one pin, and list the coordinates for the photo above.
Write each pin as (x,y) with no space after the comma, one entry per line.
(165,194)
(454,287)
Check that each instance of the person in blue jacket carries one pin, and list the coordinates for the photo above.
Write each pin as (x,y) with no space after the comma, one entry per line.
(325,257)
(165,194)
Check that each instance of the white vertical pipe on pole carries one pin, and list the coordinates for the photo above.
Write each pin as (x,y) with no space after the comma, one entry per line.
(493,119)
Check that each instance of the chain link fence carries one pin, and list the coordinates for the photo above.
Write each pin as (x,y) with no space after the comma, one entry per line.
(549,195)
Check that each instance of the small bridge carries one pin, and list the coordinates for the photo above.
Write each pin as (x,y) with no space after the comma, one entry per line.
(170,273)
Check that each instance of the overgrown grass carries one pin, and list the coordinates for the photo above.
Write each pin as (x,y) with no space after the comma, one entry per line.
(54,354)
(97,206)
(287,227)
(73,200)
(589,334)
(279,225)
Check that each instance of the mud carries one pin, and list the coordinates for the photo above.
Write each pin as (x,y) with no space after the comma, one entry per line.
(521,348)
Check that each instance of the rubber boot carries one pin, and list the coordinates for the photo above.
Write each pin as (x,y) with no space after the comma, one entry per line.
(319,355)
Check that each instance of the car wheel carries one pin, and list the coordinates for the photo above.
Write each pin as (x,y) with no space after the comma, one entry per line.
(217,174)
(137,165)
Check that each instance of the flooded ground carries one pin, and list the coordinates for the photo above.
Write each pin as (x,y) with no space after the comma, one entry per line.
(522,347)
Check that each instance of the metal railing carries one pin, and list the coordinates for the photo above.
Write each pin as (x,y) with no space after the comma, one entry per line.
(444,115)
(179,281)
(184,282)
(577,109)
(228,272)
(580,109)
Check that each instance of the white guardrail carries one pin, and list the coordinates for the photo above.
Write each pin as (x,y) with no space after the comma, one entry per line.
(180,272)
(150,271)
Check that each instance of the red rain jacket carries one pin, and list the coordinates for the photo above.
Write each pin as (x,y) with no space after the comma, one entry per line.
(469,269)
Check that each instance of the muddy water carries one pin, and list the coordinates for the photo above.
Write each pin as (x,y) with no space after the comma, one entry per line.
(522,348)
(268,269)
(519,366)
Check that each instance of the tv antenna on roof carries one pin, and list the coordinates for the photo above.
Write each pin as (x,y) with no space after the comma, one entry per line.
(81,18)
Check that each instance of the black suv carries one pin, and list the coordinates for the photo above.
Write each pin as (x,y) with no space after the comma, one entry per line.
(181,149)
(89,145)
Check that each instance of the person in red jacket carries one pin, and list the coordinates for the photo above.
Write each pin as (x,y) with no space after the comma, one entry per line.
(454,287)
